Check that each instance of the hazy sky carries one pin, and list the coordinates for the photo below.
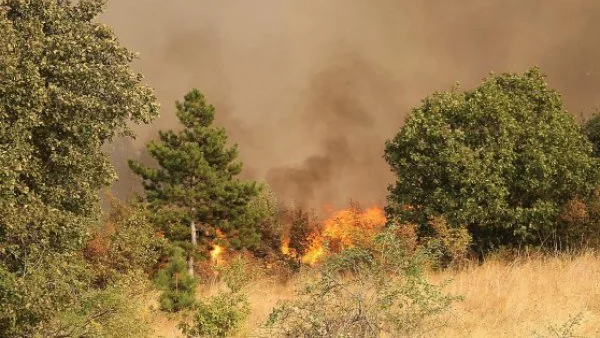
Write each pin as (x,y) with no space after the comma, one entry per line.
(311,89)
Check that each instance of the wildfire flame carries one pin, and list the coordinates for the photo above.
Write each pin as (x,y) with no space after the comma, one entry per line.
(342,230)
(285,247)
(219,233)
(217,250)
(215,253)
(315,251)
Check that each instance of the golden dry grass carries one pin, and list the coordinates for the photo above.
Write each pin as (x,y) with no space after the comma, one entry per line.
(517,299)
(501,299)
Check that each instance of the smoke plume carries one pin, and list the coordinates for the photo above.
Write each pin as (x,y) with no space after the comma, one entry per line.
(310,89)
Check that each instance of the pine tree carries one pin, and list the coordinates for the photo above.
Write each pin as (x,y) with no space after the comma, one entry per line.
(194,188)
(179,288)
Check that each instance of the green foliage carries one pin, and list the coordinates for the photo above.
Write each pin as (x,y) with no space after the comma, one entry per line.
(444,244)
(80,308)
(591,128)
(501,159)
(126,244)
(177,286)
(114,312)
(52,285)
(222,314)
(362,293)
(237,275)
(66,88)
(195,181)
(264,212)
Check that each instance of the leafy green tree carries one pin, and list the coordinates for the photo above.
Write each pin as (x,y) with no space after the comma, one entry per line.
(194,186)
(501,159)
(66,88)
(591,128)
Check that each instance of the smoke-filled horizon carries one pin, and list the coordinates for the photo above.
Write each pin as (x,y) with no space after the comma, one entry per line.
(310,90)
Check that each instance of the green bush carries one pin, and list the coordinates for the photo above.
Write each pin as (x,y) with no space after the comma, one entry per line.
(219,316)
(362,293)
(113,312)
(224,313)
(126,244)
(177,286)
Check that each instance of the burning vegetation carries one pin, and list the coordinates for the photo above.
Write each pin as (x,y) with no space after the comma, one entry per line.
(342,229)
(215,254)
(306,239)
(217,250)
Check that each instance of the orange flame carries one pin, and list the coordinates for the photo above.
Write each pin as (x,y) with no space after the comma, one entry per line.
(217,250)
(342,230)
(315,251)
(215,253)
(285,247)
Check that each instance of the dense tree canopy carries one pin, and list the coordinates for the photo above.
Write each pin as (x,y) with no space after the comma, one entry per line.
(195,181)
(66,88)
(591,128)
(501,159)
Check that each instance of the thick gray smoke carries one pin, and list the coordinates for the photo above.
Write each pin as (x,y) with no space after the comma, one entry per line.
(311,89)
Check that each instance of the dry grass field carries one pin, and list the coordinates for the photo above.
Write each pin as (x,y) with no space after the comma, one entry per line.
(528,297)
(525,297)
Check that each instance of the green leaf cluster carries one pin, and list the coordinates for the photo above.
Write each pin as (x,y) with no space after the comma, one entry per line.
(500,159)
(591,128)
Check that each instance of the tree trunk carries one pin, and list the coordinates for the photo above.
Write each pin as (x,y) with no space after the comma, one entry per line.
(194,243)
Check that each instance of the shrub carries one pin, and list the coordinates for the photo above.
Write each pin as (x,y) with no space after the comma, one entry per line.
(177,286)
(446,245)
(126,244)
(407,236)
(563,330)
(297,235)
(113,312)
(224,313)
(218,317)
(362,293)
